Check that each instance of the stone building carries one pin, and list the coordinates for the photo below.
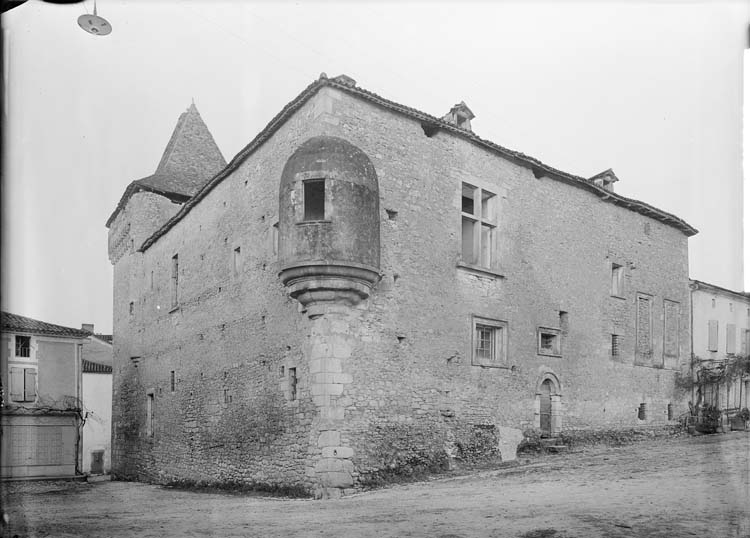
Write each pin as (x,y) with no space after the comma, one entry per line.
(367,289)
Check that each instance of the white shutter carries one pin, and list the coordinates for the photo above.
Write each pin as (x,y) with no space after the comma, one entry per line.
(731,338)
(29,391)
(713,335)
(16,384)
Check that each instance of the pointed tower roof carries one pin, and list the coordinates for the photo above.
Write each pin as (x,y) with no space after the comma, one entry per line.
(189,161)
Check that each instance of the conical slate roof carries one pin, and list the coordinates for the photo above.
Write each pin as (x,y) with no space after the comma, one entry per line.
(190,159)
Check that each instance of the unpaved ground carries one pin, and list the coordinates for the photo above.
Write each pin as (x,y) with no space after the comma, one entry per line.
(670,488)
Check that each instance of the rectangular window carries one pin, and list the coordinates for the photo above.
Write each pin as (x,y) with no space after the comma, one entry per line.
(171,381)
(23,384)
(713,335)
(292,383)
(618,281)
(731,338)
(150,415)
(23,346)
(644,329)
(488,342)
(275,238)
(478,223)
(237,260)
(548,342)
(131,308)
(314,199)
(175,279)
(746,342)
(616,346)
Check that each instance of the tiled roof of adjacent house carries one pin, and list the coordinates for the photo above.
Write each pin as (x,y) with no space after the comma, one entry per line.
(700,285)
(22,324)
(90,367)
(190,159)
(347,85)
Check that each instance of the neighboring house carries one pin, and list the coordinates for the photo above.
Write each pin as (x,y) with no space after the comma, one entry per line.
(41,416)
(721,335)
(97,401)
(367,289)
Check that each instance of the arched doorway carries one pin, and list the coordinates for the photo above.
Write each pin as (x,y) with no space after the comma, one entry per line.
(547,405)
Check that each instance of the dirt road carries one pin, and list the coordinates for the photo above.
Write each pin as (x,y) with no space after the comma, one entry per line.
(696,486)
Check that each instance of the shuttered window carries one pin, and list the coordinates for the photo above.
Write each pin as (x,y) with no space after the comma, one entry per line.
(23,384)
(731,338)
(713,335)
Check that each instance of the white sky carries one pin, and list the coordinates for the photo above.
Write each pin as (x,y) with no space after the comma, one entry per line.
(650,89)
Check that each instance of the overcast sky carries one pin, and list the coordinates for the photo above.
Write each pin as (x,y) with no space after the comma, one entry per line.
(650,89)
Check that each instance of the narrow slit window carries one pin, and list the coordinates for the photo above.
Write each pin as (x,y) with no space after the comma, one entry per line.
(315,196)
(292,383)
(175,279)
(171,381)
(616,346)
(237,260)
(150,415)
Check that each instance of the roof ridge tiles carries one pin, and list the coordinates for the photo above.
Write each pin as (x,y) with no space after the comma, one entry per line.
(517,156)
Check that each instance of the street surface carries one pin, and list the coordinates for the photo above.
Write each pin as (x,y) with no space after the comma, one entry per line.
(686,486)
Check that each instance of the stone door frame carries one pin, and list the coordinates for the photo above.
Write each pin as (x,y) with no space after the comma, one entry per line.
(555,399)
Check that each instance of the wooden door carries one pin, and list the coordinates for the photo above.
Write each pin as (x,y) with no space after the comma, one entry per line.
(545,408)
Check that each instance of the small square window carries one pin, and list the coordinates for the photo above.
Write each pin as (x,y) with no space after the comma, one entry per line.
(314,199)
(489,338)
(618,281)
(23,346)
(549,343)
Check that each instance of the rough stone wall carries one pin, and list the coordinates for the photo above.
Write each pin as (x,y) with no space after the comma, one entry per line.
(556,244)
(407,392)
(230,343)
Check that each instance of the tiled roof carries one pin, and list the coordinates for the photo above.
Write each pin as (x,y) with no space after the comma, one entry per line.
(22,324)
(347,85)
(106,337)
(190,159)
(90,367)
(700,285)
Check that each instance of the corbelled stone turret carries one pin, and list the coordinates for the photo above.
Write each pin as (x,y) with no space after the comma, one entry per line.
(329,224)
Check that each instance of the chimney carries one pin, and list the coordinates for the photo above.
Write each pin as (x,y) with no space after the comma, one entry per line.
(460,116)
(88,327)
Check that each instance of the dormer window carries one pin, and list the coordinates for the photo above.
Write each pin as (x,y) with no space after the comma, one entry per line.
(605,180)
(460,116)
